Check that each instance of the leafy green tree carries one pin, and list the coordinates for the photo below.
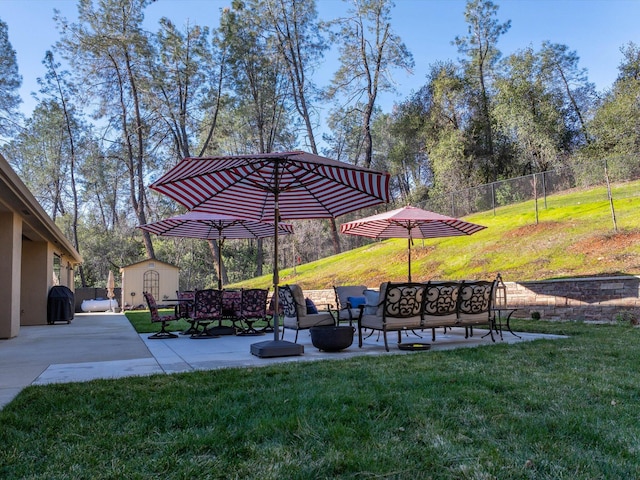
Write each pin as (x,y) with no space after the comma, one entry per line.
(432,123)
(344,140)
(10,81)
(260,103)
(39,154)
(481,55)
(257,78)
(56,85)
(185,86)
(301,46)
(369,52)
(570,83)
(187,74)
(529,112)
(106,48)
(615,126)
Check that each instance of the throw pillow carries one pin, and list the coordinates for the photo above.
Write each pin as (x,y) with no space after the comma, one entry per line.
(311,307)
(371,302)
(355,302)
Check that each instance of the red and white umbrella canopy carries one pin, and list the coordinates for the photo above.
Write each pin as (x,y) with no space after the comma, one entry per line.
(300,184)
(212,226)
(410,222)
(270,186)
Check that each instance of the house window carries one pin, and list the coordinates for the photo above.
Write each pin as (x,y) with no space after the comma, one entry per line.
(151,283)
(57,262)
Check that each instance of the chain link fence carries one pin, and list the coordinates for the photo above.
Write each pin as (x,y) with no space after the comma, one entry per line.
(539,186)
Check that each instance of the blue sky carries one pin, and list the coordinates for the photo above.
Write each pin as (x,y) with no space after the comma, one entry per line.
(596,29)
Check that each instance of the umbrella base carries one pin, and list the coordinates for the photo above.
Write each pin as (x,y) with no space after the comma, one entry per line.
(221,330)
(276,348)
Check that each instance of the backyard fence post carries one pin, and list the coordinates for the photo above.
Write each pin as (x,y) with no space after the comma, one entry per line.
(493,197)
(613,211)
(535,195)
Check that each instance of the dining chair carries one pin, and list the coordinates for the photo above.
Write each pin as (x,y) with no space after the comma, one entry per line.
(157,318)
(253,307)
(207,309)
(184,309)
(230,312)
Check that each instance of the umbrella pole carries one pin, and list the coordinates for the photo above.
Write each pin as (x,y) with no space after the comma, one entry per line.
(276,347)
(220,242)
(276,276)
(409,255)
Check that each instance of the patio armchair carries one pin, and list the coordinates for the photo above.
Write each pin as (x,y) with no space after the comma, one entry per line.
(156,317)
(295,314)
(348,299)
(399,309)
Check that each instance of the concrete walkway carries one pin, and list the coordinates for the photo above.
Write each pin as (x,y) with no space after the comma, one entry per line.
(106,345)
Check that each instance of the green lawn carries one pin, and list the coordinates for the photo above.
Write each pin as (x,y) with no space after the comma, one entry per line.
(549,409)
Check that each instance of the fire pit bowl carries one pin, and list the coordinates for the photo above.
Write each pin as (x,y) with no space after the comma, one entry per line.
(329,338)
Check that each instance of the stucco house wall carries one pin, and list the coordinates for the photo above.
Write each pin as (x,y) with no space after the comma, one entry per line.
(30,245)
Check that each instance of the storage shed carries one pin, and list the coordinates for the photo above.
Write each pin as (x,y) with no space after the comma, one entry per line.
(158,278)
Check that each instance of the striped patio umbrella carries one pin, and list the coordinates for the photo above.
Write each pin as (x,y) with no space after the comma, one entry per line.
(217,227)
(269,186)
(409,222)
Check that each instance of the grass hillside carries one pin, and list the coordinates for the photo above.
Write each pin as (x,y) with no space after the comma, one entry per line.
(574,237)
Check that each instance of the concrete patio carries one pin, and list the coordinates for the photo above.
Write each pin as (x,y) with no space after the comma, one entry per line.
(97,346)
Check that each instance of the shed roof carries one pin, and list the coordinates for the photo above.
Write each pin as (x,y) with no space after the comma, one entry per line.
(150,260)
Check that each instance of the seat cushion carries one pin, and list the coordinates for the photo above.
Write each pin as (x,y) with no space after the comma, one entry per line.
(434,321)
(375,322)
(309,321)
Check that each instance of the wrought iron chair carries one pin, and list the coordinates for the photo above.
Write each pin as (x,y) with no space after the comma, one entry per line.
(295,314)
(474,305)
(347,309)
(271,313)
(156,318)
(253,307)
(400,309)
(441,301)
(230,311)
(184,309)
(206,310)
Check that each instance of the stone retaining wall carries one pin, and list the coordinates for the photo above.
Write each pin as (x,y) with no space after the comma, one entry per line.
(592,298)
